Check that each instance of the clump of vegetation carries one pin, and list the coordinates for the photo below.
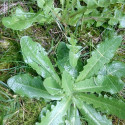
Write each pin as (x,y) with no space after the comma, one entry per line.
(76,91)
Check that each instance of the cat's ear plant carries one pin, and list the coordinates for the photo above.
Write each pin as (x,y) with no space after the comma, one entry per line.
(73,94)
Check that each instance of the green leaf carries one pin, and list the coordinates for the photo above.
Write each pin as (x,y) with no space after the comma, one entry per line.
(93,117)
(73,117)
(102,55)
(62,56)
(46,5)
(91,3)
(20,20)
(52,86)
(26,85)
(40,3)
(107,83)
(63,60)
(55,117)
(122,22)
(113,21)
(105,104)
(74,54)
(115,69)
(103,3)
(67,83)
(35,55)
(113,1)
(62,2)
(118,17)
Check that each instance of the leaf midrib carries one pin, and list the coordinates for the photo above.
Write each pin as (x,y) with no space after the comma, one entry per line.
(59,111)
(96,61)
(88,88)
(90,114)
(102,102)
(39,62)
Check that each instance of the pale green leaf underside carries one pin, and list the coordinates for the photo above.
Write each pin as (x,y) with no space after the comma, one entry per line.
(102,55)
(26,85)
(52,86)
(74,54)
(105,104)
(67,83)
(107,83)
(55,117)
(92,116)
(35,55)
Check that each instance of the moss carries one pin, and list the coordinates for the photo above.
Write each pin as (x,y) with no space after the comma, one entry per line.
(28,112)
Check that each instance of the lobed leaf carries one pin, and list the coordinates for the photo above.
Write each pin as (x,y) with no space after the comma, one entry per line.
(93,117)
(26,85)
(49,107)
(20,20)
(73,117)
(35,55)
(102,55)
(118,18)
(101,83)
(55,117)
(105,104)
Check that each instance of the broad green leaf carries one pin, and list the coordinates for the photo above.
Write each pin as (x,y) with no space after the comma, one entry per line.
(20,20)
(115,69)
(113,21)
(93,117)
(26,85)
(62,56)
(118,17)
(113,1)
(91,3)
(102,55)
(46,5)
(63,60)
(35,55)
(67,83)
(55,117)
(100,23)
(73,117)
(41,3)
(103,3)
(105,104)
(52,86)
(101,83)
